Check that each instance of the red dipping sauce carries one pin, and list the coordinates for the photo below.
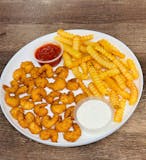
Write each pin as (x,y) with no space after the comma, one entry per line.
(50,53)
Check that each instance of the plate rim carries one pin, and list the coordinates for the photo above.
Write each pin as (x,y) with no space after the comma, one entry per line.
(87,142)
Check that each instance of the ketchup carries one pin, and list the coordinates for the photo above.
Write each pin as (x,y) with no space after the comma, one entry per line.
(48,52)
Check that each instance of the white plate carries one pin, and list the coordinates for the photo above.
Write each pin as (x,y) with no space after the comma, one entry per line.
(26,53)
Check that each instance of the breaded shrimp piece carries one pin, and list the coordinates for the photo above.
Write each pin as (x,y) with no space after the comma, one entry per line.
(49,134)
(72,136)
(59,84)
(48,121)
(62,72)
(64,125)
(72,84)
(67,98)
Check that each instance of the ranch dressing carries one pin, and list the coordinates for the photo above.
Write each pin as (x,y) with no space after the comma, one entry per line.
(93,114)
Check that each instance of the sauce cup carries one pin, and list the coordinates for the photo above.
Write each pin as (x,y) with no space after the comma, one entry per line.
(53,62)
(93,114)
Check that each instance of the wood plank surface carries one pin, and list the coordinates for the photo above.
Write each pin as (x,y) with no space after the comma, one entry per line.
(21,21)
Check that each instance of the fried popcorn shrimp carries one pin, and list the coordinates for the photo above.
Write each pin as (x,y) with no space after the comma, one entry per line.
(38,94)
(12,89)
(12,101)
(62,72)
(40,109)
(21,90)
(72,136)
(63,40)
(133,68)
(35,72)
(64,125)
(27,66)
(67,98)
(26,104)
(114,99)
(59,84)
(110,48)
(80,97)
(29,117)
(47,70)
(94,90)
(72,84)
(95,55)
(30,84)
(58,108)
(38,120)
(118,115)
(49,134)
(41,82)
(48,121)
(21,120)
(69,112)
(133,92)
(23,123)
(15,111)
(84,88)
(74,53)
(51,96)
(34,128)
(19,75)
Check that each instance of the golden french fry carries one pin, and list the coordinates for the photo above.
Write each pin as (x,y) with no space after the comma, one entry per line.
(76,43)
(86,58)
(120,81)
(87,37)
(104,52)
(123,69)
(87,43)
(74,53)
(96,65)
(79,74)
(65,34)
(114,86)
(94,90)
(96,80)
(67,60)
(83,49)
(84,88)
(99,59)
(133,92)
(110,48)
(109,73)
(114,99)
(133,68)
(63,40)
(84,67)
(118,115)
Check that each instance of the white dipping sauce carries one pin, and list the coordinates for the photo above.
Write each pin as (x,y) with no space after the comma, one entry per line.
(93,114)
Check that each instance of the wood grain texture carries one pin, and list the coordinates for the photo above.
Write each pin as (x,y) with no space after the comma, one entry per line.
(21,21)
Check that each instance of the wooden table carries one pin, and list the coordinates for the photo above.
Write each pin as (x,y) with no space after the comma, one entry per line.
(21,21)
